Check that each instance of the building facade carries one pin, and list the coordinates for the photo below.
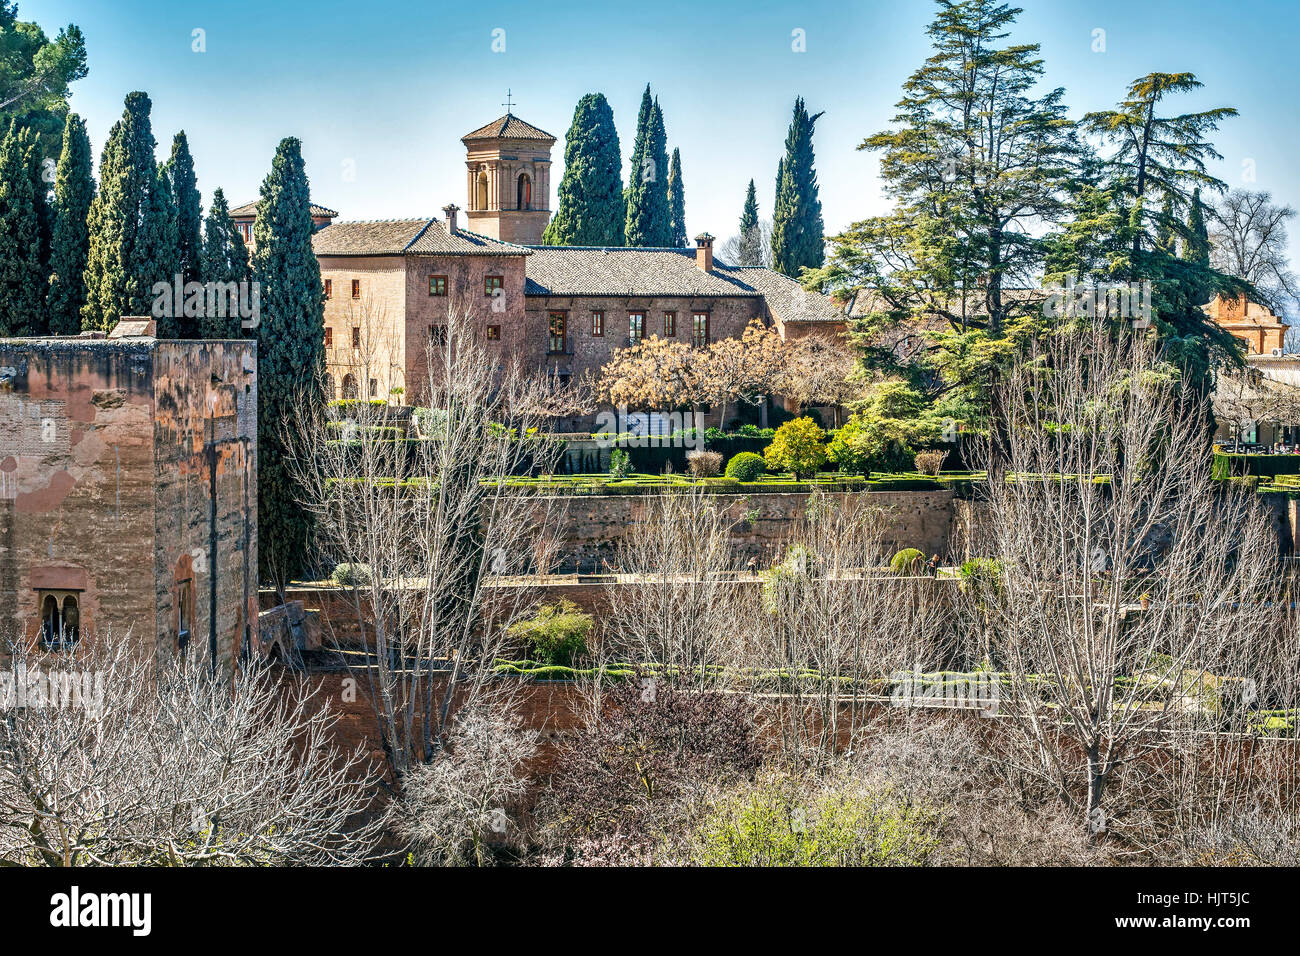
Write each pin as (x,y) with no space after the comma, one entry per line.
(128,492)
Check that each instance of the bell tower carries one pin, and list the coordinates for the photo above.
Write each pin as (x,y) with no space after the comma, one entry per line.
(508,179)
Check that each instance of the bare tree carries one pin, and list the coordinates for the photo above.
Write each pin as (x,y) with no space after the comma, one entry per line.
(1130,591)
(107,758)
(1248,239)
(818,371)
(754,249)
(458,807)
(425,522)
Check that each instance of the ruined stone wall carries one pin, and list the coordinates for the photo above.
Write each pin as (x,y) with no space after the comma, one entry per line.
(590,527)
(76,483)
(205,494)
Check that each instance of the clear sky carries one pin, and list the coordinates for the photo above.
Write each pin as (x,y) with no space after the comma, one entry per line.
(380,92)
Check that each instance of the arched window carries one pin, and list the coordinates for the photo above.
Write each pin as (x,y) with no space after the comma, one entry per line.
(524,194)
(482,191)
(349,386)
(185,615)
(51,622)
(60,621)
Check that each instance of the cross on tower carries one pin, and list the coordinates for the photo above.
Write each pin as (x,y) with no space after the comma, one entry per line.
(507,104)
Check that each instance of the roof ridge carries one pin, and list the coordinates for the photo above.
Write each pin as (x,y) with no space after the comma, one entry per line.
(423,230)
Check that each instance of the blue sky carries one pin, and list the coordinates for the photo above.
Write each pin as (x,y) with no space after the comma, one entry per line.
(381,92)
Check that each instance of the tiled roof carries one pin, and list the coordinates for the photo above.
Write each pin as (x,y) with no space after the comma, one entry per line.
(622,271)
(391,237)
(508,127)
(250,209)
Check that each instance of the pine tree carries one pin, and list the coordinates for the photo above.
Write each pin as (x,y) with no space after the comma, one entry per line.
(751,237)
(290,354)
(797,230)
(189,207)
(591,210)
(224,259)
(22,278)
(124,259)
(648,221)
(74,188)
(676,203)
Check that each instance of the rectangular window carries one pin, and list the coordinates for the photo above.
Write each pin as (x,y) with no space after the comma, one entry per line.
(329,338)
(438,334)
(356,336)
(329,288)
(374,387)
(494,333)
(356,288)
(492,283)
(670,325)
(437,285)
(598,323)
(635,326)
(700,329)
(558,323)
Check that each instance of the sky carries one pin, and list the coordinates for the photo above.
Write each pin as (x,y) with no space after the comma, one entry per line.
(381,92)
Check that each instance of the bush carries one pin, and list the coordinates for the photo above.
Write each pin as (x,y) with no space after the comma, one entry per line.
(746,466)
(777,822)
(798,446)
(907,561)
(620,464)
(980,572)
(703,464)
(556,633)
(930,461)
(351,575)
(864,445)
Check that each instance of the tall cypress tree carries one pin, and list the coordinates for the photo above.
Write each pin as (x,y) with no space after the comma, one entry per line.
(224,259)
(189,207)
(751,238)
(591,210)
(290,354)
(1166,234)
(22,278)
(160,258)
(676,203)
(123,262)
(74,188)
(797,229)
(648,221)
(1197,247)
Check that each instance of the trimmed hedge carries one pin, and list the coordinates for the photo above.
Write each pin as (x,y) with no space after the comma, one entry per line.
(746,466)
(1265,466)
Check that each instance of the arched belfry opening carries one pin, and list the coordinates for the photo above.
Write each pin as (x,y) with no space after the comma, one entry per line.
(524,192)
(480,198)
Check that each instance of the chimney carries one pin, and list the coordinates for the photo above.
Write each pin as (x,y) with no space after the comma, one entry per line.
(704,251)
(449,211)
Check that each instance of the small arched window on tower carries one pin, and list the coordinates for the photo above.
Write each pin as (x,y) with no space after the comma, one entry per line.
(185,614)
(60,620)
(481,193)
(524,194)
(350,386)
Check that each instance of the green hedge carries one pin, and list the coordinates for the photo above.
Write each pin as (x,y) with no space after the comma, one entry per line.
(1265,466)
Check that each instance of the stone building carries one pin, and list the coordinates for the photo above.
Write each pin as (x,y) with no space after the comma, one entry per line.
(560,309)
(1262,332)
(128,491)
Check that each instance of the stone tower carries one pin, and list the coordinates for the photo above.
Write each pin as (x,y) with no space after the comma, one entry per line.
(508,173)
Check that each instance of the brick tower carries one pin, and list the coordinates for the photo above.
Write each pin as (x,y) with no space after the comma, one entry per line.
(508,174)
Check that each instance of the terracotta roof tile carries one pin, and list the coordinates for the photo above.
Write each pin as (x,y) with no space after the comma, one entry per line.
(508,127)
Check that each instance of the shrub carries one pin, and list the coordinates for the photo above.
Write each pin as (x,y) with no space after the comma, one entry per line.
(930,461)
(556,633)
(351,575)
(620,463)
(703,464)
(907,561)
(778,822)
(865,445)
(980,573)
(798,446)
(746,466)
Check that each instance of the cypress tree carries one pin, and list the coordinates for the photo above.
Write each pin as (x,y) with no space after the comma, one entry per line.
(648,221)
(22,278)
(676,203)
(591,207)
(797,229)
(1166,238)
(124,258)
(1197,247)
(74,188)
(290,354)
(224,259)
(189,208)
(160,257)
(639,141)
(751,239)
